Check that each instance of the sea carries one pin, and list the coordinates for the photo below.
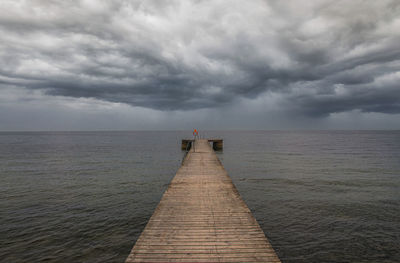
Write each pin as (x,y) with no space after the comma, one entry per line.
(319,196)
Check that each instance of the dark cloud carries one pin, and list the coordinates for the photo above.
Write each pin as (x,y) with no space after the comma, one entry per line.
(321,57)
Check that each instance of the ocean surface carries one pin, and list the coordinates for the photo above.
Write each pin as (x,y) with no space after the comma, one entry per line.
(320,196)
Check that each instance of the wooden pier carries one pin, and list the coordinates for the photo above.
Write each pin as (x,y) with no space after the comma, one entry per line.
(202,218)
(217,144)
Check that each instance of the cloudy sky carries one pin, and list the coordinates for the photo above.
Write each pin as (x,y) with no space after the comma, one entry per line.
(209,64)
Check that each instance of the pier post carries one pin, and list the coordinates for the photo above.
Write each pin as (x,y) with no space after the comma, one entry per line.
(186,144)
(218,144)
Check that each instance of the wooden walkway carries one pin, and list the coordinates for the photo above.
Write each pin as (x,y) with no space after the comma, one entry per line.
(202,218)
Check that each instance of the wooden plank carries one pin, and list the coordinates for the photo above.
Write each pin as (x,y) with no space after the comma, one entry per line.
(202,218)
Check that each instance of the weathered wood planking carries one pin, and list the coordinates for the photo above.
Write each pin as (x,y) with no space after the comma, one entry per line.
(202,218)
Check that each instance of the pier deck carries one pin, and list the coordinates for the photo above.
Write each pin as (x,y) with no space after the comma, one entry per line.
(202,218)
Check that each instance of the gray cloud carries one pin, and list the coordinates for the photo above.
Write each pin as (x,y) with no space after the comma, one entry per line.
(320,57)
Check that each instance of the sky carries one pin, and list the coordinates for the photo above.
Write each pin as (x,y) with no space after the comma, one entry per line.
(206,64)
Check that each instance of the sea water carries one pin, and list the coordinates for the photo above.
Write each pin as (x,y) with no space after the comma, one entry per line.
(320,196)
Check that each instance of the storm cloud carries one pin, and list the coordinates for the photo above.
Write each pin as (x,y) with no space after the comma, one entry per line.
(317,58)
